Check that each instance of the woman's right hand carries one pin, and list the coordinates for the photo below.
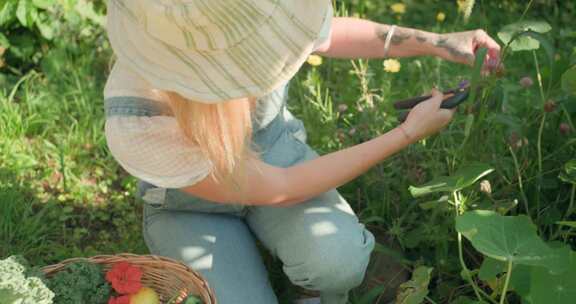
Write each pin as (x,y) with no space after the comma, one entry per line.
(427,117)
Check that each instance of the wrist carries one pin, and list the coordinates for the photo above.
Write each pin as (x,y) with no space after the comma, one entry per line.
(407,134)
(426,43)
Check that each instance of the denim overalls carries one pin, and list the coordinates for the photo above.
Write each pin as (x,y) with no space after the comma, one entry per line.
(320,242)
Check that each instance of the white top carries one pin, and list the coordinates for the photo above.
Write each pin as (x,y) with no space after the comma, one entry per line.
(153,149)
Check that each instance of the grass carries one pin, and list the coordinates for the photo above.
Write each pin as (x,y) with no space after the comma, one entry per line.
(62,194)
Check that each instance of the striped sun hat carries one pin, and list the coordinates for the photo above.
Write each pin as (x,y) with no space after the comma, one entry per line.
(215,50)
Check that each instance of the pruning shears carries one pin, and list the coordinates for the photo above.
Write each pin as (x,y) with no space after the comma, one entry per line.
(452,98)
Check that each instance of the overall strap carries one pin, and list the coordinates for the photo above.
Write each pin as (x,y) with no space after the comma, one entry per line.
(135,106)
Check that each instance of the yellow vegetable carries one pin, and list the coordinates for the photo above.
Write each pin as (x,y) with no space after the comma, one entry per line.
(145,296)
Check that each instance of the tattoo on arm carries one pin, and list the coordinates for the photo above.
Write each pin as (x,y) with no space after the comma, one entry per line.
(400,35)
(444,44)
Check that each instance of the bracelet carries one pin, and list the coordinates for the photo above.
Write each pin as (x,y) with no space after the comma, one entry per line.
(388,40)
(408,137)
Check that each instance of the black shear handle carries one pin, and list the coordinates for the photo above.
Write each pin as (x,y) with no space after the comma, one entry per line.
(449,103)
(412,102)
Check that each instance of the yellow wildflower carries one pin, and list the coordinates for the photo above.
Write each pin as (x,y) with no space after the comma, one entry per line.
(398,8)
(392,65)
(314,60)
(440,17)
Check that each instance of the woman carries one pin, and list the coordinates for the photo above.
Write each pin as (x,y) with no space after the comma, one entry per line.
(196,111)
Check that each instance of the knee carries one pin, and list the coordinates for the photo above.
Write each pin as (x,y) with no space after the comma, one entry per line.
(335,264)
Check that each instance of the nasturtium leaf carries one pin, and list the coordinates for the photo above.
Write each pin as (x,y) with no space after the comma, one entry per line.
(569,81)
(569,174)
(560,288)
(490,269)
(522,42)
(520,281)
(415,290)
(509,238)
(461,179)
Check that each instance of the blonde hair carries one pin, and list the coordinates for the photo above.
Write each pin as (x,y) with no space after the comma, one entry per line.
(222,131)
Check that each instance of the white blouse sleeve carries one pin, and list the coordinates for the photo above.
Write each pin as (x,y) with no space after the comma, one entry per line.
(154,150)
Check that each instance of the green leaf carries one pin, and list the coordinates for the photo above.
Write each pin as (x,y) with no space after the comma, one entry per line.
(512,34)
(569,174)
(520,281)
(477,72)
(415,290)
(46,30)
(8,11)
(26,13)
(509,238)
(569,81)
(490,269)
(44,4)
(547,287)
(461,179)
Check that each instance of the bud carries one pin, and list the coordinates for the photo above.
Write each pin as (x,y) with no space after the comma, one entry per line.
(565,128)
(342,107)
(526,82)
(486,187)
(549,106)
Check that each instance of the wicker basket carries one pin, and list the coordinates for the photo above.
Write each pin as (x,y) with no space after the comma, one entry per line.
(168,277)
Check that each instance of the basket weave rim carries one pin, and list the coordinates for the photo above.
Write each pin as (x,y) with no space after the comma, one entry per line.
(191,276)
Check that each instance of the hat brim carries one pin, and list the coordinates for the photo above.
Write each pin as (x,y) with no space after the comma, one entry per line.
(255,66)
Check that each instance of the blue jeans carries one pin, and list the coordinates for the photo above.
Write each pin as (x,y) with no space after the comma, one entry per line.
(320,242)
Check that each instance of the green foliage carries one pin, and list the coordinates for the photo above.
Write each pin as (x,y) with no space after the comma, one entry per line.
(53,152)
(513,34)
(25,228)
(569,81)
(465,177)
(80,282)
(547,287)
(509,238)
(569,173)
(28,28)
(415,290)
(17,287)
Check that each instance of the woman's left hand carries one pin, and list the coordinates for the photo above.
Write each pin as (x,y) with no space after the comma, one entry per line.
(461,47)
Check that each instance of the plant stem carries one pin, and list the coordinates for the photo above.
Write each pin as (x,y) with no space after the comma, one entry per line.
(540,131)
(520,182)
(461,251)
(526,10)
(508,275)
(430,300)
(571,204)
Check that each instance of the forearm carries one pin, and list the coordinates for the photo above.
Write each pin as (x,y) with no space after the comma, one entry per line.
(359,38)
(330,171)
(263,184)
